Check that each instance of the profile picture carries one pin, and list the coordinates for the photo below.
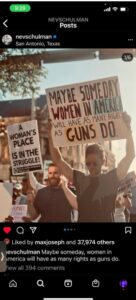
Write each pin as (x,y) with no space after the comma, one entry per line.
(7,39)
(6,241)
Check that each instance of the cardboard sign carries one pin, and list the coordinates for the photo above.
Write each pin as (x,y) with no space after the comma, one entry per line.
(86,112)
(6,191)
(24,147)
(19,211)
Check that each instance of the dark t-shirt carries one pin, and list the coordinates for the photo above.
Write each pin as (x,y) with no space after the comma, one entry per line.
(53,205)
(96,196)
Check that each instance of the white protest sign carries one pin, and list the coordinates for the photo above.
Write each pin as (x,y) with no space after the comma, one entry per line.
(128,182)
(6,191)
(86,112)
(24,147)
(19,211)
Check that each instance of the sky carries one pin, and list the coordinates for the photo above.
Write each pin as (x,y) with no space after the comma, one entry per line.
(60,74)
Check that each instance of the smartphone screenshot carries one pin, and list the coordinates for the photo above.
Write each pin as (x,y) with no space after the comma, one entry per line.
(68,150)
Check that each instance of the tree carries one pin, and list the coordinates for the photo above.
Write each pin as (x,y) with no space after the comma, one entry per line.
(20,76)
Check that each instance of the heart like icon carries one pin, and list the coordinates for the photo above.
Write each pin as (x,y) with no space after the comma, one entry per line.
(7,229)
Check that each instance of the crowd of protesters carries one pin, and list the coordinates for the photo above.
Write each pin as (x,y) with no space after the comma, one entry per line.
(75,196)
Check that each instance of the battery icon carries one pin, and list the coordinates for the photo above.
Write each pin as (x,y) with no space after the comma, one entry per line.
(124,9)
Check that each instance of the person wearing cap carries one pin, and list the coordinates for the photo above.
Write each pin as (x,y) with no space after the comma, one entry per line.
(18,197)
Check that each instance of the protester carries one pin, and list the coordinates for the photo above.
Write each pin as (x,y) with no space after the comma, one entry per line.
(123,204)
(17,199)
(65,185)
(96,193)
(53,202)
(18,196)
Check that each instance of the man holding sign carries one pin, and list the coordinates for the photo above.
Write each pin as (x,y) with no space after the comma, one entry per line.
(96,193)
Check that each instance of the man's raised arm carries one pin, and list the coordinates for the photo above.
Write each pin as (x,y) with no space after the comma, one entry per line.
(71,197)
(57,158)
(125,163)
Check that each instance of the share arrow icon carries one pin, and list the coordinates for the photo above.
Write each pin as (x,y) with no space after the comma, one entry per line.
(33,229)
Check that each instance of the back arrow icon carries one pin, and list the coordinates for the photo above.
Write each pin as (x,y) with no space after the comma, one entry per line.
(2,256)
(5,23)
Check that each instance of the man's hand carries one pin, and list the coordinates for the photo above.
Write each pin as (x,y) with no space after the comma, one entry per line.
(63,181)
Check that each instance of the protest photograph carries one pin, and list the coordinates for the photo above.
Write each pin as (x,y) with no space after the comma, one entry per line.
(67,135)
